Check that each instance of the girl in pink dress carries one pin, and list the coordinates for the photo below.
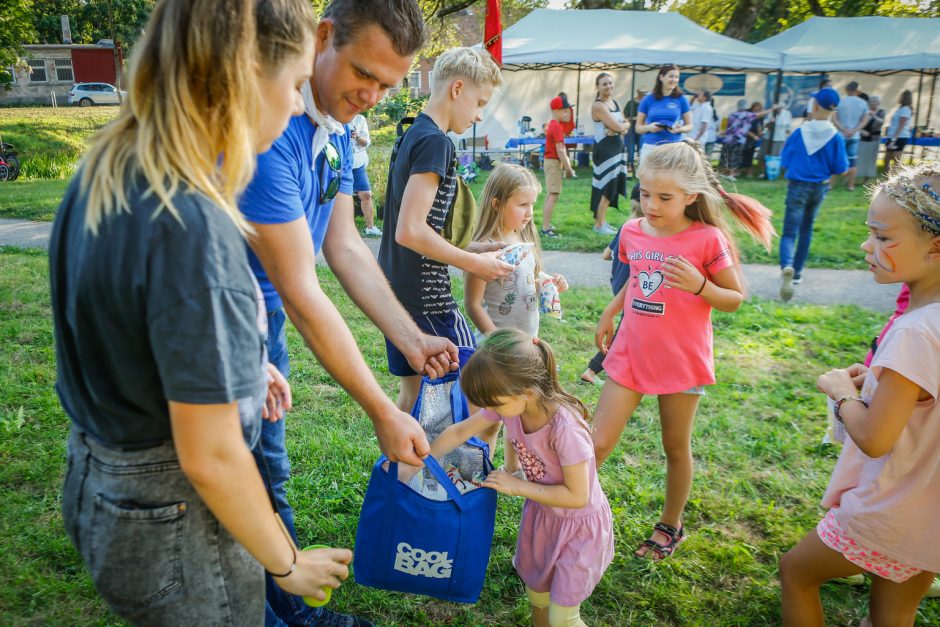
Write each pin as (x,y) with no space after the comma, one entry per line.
(683,262)
(566,538)
(884,494)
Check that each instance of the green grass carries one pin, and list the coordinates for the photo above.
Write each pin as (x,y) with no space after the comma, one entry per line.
(50,141)
(32,200)
(760,472)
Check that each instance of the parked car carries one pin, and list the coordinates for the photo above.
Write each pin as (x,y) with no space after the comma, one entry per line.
(87,94)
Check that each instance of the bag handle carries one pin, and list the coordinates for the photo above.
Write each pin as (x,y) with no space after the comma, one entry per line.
(439,474)
(458,403)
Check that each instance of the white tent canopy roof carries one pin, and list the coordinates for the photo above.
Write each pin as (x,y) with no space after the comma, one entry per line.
(860,44)
(604,36)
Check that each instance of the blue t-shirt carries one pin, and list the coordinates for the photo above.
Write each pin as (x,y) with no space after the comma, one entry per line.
(668,110)
(817,167)
(287,187)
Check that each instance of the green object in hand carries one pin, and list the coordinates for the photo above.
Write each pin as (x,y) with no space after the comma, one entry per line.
(312,602)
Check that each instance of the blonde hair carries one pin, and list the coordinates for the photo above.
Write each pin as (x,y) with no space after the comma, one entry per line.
(193,105)
(508,363)
(916,189)
(687,165)
(505,181)
(472,64)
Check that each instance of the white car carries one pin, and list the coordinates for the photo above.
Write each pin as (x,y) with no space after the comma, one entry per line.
(87,94)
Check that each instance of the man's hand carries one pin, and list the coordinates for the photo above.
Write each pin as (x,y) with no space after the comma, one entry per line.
(430,355)
(402,439)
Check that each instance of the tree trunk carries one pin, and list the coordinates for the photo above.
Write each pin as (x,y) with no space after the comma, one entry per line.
(742,19)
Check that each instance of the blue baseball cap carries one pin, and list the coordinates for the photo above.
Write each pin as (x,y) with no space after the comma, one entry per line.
(827,98)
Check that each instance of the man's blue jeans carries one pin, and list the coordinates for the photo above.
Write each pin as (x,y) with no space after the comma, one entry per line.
(803,201)
(281,608)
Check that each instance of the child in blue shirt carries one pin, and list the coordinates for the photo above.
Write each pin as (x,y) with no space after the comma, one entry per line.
(811,155)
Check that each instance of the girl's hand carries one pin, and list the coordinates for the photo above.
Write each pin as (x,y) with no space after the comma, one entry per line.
(858,372)
(604,332)
(279,397)
(681,274)
(560,282)
(503,482)
(836,383)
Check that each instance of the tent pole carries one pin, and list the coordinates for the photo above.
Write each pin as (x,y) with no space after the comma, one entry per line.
(773,120)
(933,88)
(577,101)
(916,116)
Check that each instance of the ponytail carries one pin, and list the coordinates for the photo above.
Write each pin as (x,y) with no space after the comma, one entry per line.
(749,212)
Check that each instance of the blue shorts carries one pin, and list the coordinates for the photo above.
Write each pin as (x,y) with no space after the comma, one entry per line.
(451,325)
(851,150)
(361,180)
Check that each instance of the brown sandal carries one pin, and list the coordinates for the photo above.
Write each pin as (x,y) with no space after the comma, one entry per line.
(676,537)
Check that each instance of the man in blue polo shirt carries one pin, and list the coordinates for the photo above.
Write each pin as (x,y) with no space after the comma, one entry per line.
(300,203)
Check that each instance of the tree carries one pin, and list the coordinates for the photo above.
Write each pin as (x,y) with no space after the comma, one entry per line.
(16,28)
(756,20)
(90,20)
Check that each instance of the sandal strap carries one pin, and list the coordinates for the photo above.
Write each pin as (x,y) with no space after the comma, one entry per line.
(674,534)
(664,550)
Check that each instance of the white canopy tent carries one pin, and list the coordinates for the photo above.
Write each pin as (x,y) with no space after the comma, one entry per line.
(858,44)
(550,51)
(873,45)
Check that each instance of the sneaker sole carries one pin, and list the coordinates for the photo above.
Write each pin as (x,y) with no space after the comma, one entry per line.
(786,288)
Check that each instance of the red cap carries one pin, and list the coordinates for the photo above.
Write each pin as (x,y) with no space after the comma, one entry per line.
(560,102)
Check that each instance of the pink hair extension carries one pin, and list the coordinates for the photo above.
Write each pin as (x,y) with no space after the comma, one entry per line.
(752,215)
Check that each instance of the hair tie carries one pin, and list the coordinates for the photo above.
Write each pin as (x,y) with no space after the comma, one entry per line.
(535,341)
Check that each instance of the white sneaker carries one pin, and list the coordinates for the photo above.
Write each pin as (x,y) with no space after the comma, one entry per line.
(604,229)
(372,231)
(786,287)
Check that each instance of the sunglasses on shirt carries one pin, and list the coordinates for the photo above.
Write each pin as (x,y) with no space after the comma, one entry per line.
(331,156)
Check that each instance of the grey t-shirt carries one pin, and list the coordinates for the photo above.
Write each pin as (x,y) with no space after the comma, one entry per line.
(153,310)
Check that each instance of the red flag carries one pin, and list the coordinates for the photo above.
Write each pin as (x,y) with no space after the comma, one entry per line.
(493,31)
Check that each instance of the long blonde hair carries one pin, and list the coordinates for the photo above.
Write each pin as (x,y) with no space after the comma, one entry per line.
(508,363)
(687,165)
(193,105)
(505,181)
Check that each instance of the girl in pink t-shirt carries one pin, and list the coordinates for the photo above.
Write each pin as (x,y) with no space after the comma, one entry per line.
(566,540)
(683,262)
(884,494)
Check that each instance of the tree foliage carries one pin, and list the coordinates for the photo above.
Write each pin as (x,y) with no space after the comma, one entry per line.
(16,28)
(90,20)
(756,20)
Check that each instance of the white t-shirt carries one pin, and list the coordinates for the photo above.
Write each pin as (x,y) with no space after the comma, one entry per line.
(361,128)
(902,112)
(782,122)
(892,503)
(703,113)
(850,112)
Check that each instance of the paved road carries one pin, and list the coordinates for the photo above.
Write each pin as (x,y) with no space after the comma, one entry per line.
(820,286)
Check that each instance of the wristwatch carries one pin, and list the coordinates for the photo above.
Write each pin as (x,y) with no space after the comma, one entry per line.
(838,405)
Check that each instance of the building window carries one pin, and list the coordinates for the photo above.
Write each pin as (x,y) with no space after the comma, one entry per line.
(63,71)
(414,81)
(12,70)
(37,71)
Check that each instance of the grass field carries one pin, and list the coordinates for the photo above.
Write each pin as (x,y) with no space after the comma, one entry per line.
(760,472)
(51,141)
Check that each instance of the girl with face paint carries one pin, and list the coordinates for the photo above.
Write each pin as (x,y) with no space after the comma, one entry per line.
(884,514)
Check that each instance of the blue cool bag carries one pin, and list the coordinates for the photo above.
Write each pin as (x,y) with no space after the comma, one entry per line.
(410,543)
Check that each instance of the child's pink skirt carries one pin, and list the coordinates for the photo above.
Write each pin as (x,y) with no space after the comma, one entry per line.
(874,562)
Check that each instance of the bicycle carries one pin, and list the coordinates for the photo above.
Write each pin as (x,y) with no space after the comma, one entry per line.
(9,163)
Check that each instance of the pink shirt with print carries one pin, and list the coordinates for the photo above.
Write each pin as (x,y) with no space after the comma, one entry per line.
(892,503)
(665,341)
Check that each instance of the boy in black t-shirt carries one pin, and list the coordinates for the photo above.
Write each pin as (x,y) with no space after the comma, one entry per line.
(422,183)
